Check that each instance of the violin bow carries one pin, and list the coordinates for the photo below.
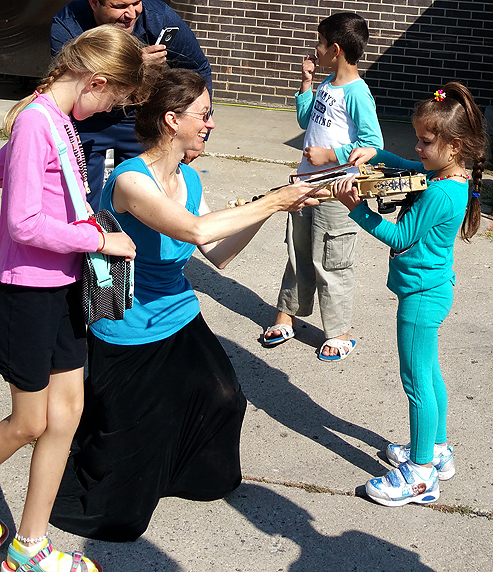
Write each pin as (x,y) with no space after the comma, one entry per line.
(335,171)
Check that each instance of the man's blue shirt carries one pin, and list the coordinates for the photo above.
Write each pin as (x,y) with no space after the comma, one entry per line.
(77,17)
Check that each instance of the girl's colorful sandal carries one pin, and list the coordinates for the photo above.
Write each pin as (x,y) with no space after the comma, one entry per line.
(4,533)
(25,564)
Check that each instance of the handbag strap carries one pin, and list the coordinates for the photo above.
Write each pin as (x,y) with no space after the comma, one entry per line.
(100,262)
(73,187)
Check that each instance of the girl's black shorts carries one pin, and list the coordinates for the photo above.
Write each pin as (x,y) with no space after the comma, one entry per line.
(41,329)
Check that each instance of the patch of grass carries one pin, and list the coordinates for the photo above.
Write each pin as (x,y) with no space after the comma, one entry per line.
(246,159)
(462,510)
(311,488)
(292,164)
(3,135)
(489,233)
(315,489)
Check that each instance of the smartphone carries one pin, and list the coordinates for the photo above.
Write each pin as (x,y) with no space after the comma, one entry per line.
(167,35)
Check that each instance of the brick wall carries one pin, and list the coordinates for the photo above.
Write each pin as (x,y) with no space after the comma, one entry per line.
(256,48)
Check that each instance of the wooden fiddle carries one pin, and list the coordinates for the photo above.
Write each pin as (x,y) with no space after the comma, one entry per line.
(371,181)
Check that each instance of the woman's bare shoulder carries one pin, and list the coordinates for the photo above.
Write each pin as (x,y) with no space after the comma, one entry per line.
(133,181)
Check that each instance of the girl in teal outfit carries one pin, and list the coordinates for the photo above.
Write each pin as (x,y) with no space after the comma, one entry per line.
(451,134)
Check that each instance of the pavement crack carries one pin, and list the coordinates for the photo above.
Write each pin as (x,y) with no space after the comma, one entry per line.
(311,488)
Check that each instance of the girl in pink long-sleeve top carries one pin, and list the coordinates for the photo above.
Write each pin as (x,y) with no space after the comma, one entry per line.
(43,345)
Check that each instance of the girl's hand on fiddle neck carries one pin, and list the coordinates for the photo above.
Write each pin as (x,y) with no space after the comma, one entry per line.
(346,192)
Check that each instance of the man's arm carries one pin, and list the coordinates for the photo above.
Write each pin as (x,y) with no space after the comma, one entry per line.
(185,51)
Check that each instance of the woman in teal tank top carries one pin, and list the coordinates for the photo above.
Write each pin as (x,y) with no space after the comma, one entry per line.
(163,408)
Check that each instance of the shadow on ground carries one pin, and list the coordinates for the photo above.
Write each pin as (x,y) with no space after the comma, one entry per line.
(243,301)
(268,388)
(283,520)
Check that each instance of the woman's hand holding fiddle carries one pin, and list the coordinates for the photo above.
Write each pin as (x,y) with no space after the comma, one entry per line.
(346,192)
(300,194)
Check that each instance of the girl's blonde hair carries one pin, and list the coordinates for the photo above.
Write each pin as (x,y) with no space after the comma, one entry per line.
(456,116)
(105,51)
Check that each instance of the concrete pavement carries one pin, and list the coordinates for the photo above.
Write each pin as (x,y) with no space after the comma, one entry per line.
(314,432)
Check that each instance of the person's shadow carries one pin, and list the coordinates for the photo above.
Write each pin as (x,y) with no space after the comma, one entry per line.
(295,409)
(130,556)
(275,516)
(279,398)
(282,519)
(237,298)
(6,517)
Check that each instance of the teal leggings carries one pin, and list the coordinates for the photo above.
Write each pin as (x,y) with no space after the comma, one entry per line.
(419,316)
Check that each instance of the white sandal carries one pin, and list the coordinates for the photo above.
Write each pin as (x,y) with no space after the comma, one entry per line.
(286,330)
(345,346)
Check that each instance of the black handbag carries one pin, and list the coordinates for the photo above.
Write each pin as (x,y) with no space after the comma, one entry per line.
(107,281)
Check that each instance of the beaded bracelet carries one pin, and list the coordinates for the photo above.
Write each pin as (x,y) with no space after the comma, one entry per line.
(27,540)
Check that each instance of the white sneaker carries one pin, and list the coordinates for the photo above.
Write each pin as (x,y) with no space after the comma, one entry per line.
(403,485)
(443,463)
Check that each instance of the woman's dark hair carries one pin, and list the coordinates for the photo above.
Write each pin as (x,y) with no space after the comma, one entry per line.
(175,90)
(349,31)
(456,116)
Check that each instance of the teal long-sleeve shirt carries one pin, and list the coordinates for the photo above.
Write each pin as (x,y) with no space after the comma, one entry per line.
(339,118)
(424,237)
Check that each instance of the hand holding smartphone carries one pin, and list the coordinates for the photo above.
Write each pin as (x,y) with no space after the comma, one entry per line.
(167,35)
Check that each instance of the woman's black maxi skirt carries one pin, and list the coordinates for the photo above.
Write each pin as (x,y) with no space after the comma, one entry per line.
(160,419)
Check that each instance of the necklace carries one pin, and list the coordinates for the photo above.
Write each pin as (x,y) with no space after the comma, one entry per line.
(463,175)
(74,138)
(54,99)
(157,179)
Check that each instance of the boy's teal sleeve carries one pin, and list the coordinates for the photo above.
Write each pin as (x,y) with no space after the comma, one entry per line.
(361,108)
(428,210)
(304,105)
